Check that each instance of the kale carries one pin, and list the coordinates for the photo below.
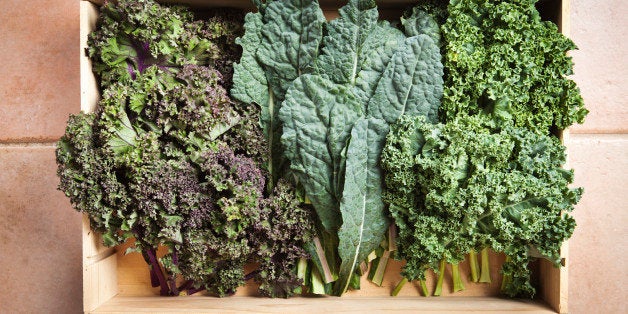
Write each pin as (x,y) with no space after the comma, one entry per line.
(170,160)
(327,92)
(501,59)
(133,35)
(471,183)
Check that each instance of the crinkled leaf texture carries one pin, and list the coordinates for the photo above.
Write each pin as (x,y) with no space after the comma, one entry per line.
(353,82)
(318,116)
(280,43)
(364,220)
(469,184)
(412,84)
(132,35)
(502,59)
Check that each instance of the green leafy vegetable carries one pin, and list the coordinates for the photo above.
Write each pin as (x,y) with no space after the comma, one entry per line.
(171,160)
(363,218)
(280,43)
(502,60)
(132,36)
(469,184)
(320,116)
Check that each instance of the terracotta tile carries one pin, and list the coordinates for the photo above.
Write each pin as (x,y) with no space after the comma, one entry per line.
(598,248)
(40,236)
(600,64)
(40,68)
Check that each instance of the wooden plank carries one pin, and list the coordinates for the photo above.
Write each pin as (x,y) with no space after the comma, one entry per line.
(100,283)
(99,262)
(247,4)
(89,86)
(554,288)
(200,304)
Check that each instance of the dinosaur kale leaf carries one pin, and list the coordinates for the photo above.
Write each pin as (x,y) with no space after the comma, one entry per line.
(280,43)
(367,71)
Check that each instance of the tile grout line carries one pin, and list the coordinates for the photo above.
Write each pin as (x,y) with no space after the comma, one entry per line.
(51,144)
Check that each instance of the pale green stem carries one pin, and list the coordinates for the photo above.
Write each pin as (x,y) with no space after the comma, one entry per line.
(378,268)
(455,274)
(317,285)
(441,276)
(485,274)
(424,288)
(400,285)
(473,265)
(506,278)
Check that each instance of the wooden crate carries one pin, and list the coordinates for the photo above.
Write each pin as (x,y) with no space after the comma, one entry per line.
(118,283)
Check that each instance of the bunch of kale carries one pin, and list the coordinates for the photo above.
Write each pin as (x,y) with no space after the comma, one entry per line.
(328,93)
(488,176)
(170,160)
(471,184)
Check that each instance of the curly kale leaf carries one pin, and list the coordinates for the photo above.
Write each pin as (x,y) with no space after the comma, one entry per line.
(185,113)
(503,60)
(469,184)
(171,160)
(279,237)
(89,178)
(132,35)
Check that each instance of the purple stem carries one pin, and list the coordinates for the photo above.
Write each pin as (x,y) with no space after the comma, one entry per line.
(186,285)
(129,68)
(165,290)
(172,277)
(154,281)
(250,275)
(192,291)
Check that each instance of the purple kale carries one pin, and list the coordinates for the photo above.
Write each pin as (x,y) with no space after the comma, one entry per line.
(279,237)
(132,35)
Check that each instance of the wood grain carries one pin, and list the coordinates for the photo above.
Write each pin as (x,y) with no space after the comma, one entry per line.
(199,304)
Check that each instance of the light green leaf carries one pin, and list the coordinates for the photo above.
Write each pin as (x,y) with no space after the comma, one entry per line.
(412,84)
(364,219)
(318,116)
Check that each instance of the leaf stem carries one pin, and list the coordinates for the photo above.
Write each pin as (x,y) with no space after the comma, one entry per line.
(441,276)
(424,288)
(317,285)
(506,278)
(154,264)
(455,274)
(473,265)
(378,268)
(400,285)
(485,275)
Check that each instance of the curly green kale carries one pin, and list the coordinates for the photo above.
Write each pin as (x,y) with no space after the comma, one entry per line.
(501,59)
(133,35)
(469,184)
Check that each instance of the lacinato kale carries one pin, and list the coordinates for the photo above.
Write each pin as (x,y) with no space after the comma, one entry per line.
(170,160)
(471,183)
(328,92)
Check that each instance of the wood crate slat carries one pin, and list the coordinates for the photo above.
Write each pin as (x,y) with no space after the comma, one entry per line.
(247,4)
(195,304)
